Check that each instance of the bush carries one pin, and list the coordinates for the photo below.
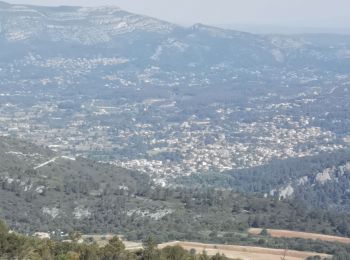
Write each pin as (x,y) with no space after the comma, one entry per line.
(264,232)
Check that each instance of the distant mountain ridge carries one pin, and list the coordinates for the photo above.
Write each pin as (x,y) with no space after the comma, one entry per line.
(144,41)
(86,25)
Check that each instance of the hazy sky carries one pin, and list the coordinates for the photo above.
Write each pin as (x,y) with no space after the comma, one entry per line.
(292,13)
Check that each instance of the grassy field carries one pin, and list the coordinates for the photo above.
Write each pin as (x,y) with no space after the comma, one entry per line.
(244,252)
(304,235)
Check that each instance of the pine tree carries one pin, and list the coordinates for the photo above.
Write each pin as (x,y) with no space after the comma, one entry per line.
(150,249)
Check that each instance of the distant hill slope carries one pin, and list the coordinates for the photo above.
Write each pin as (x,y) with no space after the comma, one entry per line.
(321,181)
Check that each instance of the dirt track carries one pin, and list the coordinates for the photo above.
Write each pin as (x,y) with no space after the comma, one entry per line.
(305,235)
(244,252)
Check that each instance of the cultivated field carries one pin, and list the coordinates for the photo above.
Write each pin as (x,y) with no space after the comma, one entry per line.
(305,235)
(244,252)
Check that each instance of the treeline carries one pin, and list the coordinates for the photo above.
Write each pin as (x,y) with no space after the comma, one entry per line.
(14,246)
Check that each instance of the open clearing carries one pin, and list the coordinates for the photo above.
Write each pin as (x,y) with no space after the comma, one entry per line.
(305,235)
(244,252)
(230,251)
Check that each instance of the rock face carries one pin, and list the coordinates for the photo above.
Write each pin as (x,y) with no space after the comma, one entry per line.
(324,176)
(286,192)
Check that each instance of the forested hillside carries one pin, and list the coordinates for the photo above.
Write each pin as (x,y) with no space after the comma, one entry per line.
(321,181)
(63,195)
